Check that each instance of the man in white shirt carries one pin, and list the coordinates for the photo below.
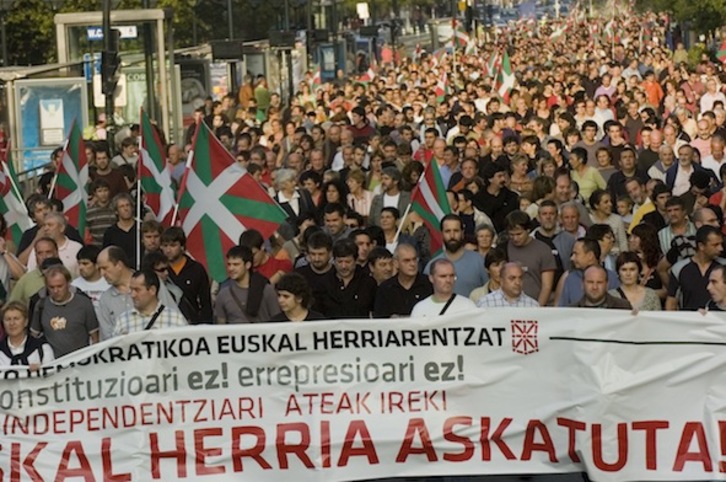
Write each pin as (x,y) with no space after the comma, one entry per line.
(510,294)
(444,300)
(90,280)
(717,157)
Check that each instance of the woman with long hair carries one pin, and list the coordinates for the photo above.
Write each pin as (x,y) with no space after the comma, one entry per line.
(587,177)
(601,212)
(644,242)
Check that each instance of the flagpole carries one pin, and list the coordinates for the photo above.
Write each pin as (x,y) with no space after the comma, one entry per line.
(403,220)
(138,223)
(52,186)
(183,184)
(138,199)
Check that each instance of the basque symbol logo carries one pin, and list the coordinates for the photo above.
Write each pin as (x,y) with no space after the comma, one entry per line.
(524,336)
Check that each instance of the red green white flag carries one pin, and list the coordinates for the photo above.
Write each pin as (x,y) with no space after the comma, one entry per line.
(218,201)
(318,79)
(12,207)
(505,79)
(442,85)
(429,201)
(155,177)
(72,178)
(721,54)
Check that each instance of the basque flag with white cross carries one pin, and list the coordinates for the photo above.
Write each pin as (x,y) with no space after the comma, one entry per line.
(218,201)
(155,177)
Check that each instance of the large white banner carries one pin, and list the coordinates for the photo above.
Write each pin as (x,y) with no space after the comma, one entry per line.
(620,397)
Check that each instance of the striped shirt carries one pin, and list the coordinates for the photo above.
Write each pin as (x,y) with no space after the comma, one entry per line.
(98,220)
(666,237)
(132,320)
(496,299)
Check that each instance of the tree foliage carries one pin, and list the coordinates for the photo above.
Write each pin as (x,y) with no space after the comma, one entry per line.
(701,16)
(31,30)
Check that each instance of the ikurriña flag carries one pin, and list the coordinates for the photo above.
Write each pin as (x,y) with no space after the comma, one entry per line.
(218,201)
(72,178)
(12,207)
(429,201)
(155,177)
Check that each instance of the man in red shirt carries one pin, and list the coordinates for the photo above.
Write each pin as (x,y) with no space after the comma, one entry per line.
(268,266)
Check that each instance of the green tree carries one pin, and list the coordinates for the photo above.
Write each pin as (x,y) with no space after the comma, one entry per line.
(702,16)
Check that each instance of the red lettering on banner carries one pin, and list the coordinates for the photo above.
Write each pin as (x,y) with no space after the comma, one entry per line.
(395,399)
(691,430)
(416,426)
(650,427)
(572,427)
(622,448)
(722,431)
(486,451)
(300,449)
(530,445)
(255,452)
(108,475)
(27,463)
(292,406)
(203,452)
(84,470)
(325,443)
(468,452)
(180,454)
(368,450)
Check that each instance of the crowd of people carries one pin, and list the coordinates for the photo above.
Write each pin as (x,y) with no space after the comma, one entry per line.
(595,181)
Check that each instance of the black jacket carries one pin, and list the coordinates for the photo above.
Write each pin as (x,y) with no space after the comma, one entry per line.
(394,299)
(194,283)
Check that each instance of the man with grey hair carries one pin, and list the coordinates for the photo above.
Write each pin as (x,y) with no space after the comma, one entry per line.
(54,226)
(391,195)
(665,160)
(510,294)
(297,203)
(444,300)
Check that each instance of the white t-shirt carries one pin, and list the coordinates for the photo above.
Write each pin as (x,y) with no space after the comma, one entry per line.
(94,289)
(391,201)
(429,307)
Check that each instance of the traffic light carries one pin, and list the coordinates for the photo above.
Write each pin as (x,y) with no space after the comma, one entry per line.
(110,64)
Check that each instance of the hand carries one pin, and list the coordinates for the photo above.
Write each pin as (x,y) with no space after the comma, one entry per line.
(34,367)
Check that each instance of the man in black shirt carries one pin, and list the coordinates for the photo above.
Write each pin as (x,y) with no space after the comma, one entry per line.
(496,200)
(349,290)
(319,249)
(398,295)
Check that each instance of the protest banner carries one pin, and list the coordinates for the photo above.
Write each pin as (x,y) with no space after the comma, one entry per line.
(513,391)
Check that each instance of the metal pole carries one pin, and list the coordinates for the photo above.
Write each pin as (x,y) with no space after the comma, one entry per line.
(107,48)
(151,108)
(230,23)
(3,33)
(287,15)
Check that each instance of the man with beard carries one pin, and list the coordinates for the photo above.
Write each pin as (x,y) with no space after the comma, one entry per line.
(469,265)
(496,200)
(319,254)
(392,196)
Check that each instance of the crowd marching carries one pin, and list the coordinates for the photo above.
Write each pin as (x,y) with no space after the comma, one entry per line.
(572,163)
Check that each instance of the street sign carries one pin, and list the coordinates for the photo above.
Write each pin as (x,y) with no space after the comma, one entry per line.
(126,31)
(91,67)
